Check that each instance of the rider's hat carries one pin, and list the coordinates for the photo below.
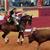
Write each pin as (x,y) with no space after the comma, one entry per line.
(18,14)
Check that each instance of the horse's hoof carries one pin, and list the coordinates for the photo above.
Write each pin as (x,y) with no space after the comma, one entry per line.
(18,41)
(6,41)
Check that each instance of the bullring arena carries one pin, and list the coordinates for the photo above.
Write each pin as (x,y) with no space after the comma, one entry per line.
(40,19)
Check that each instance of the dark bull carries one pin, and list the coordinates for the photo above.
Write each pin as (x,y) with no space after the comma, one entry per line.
(40,36)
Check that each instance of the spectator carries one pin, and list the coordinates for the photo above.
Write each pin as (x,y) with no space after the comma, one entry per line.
(33,2)
(46,2)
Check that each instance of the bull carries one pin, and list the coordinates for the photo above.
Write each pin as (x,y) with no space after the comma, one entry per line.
(39,35)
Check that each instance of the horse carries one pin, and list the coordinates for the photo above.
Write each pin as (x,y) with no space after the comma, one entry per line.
(10,26)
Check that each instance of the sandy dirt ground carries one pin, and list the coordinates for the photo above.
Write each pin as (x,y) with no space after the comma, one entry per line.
(12,45)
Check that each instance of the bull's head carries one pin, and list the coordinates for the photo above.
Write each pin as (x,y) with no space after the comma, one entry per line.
(32,36)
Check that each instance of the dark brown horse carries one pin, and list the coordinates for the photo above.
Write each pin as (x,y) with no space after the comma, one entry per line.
(7,27)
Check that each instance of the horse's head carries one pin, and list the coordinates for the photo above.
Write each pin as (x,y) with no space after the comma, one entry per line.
(28,19)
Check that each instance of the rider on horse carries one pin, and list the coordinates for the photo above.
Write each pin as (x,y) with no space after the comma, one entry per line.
(15,17)
(22,23)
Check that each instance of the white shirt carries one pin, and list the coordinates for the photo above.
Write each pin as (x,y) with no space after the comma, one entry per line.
(16,18)
(1,17)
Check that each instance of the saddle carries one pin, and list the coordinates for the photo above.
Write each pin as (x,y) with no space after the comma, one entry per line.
(10,21)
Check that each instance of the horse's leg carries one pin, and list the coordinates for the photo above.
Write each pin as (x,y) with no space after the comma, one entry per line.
(6,32)
(20,34)
(22,37)
(19,37)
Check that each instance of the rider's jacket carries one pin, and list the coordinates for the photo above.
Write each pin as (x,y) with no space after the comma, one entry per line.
(16,19)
